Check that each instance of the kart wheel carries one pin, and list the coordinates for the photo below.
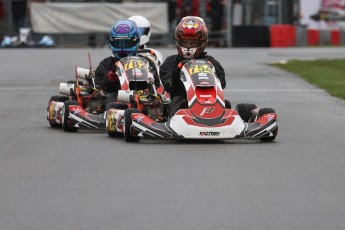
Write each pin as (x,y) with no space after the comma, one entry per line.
(115,106)
(128,124)
(57,98)
(176,104)
(227,104)
(245,110)
(65,115)
(263,111)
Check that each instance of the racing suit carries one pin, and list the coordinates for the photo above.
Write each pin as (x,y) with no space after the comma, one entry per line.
(170,74)
(106,78)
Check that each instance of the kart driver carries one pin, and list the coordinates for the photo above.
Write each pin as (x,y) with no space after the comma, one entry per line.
(144,28)
(191,36)
(124,40)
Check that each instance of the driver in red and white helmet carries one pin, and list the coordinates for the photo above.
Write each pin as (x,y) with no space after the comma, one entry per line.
(191,36)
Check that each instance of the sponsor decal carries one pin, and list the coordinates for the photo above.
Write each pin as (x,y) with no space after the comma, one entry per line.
(137,72)
(110,125)
(138,117)
(207,134)
(207,110)
(190,24)
(51,112)
(203,76)
(269,117)
(76,111)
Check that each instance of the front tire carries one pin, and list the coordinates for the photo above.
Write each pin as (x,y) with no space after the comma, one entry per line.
(245,110)
(128,123)
(57,98)
(65,115)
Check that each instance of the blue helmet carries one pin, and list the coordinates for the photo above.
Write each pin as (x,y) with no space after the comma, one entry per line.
(124,39)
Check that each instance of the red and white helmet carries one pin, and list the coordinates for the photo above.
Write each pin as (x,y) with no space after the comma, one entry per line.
(191,36)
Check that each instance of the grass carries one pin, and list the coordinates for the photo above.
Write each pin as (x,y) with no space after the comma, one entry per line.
(328,74)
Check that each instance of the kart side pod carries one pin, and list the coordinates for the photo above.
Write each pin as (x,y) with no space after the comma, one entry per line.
(65,89)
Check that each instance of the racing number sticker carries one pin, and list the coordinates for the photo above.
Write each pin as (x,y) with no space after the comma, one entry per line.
(199,68)
(134,65)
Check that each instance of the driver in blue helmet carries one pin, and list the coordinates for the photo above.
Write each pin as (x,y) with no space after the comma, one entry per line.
(124,40)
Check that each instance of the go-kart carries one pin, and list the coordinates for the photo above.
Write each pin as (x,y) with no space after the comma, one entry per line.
(134,73)
(202,115)
(86,99)
(139,92)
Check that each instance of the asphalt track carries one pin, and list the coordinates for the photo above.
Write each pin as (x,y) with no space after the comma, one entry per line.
(55,180)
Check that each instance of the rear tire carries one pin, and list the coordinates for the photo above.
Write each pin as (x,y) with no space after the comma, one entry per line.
(262,112)
(57,98)
(245,110)
(65,115)
(128,124)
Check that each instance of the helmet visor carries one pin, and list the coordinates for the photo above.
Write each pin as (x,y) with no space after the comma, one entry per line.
(143,30)
(189,43)
(123,43)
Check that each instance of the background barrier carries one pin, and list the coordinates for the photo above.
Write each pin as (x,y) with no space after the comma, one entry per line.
(291,36)
(80,24)
(283,36)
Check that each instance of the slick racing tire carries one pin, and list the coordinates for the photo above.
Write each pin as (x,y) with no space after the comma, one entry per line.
(65,115)
(176,104)
(262,112)
(227,104)
(116,106)
(245,110)
(128,124)
(57,98)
